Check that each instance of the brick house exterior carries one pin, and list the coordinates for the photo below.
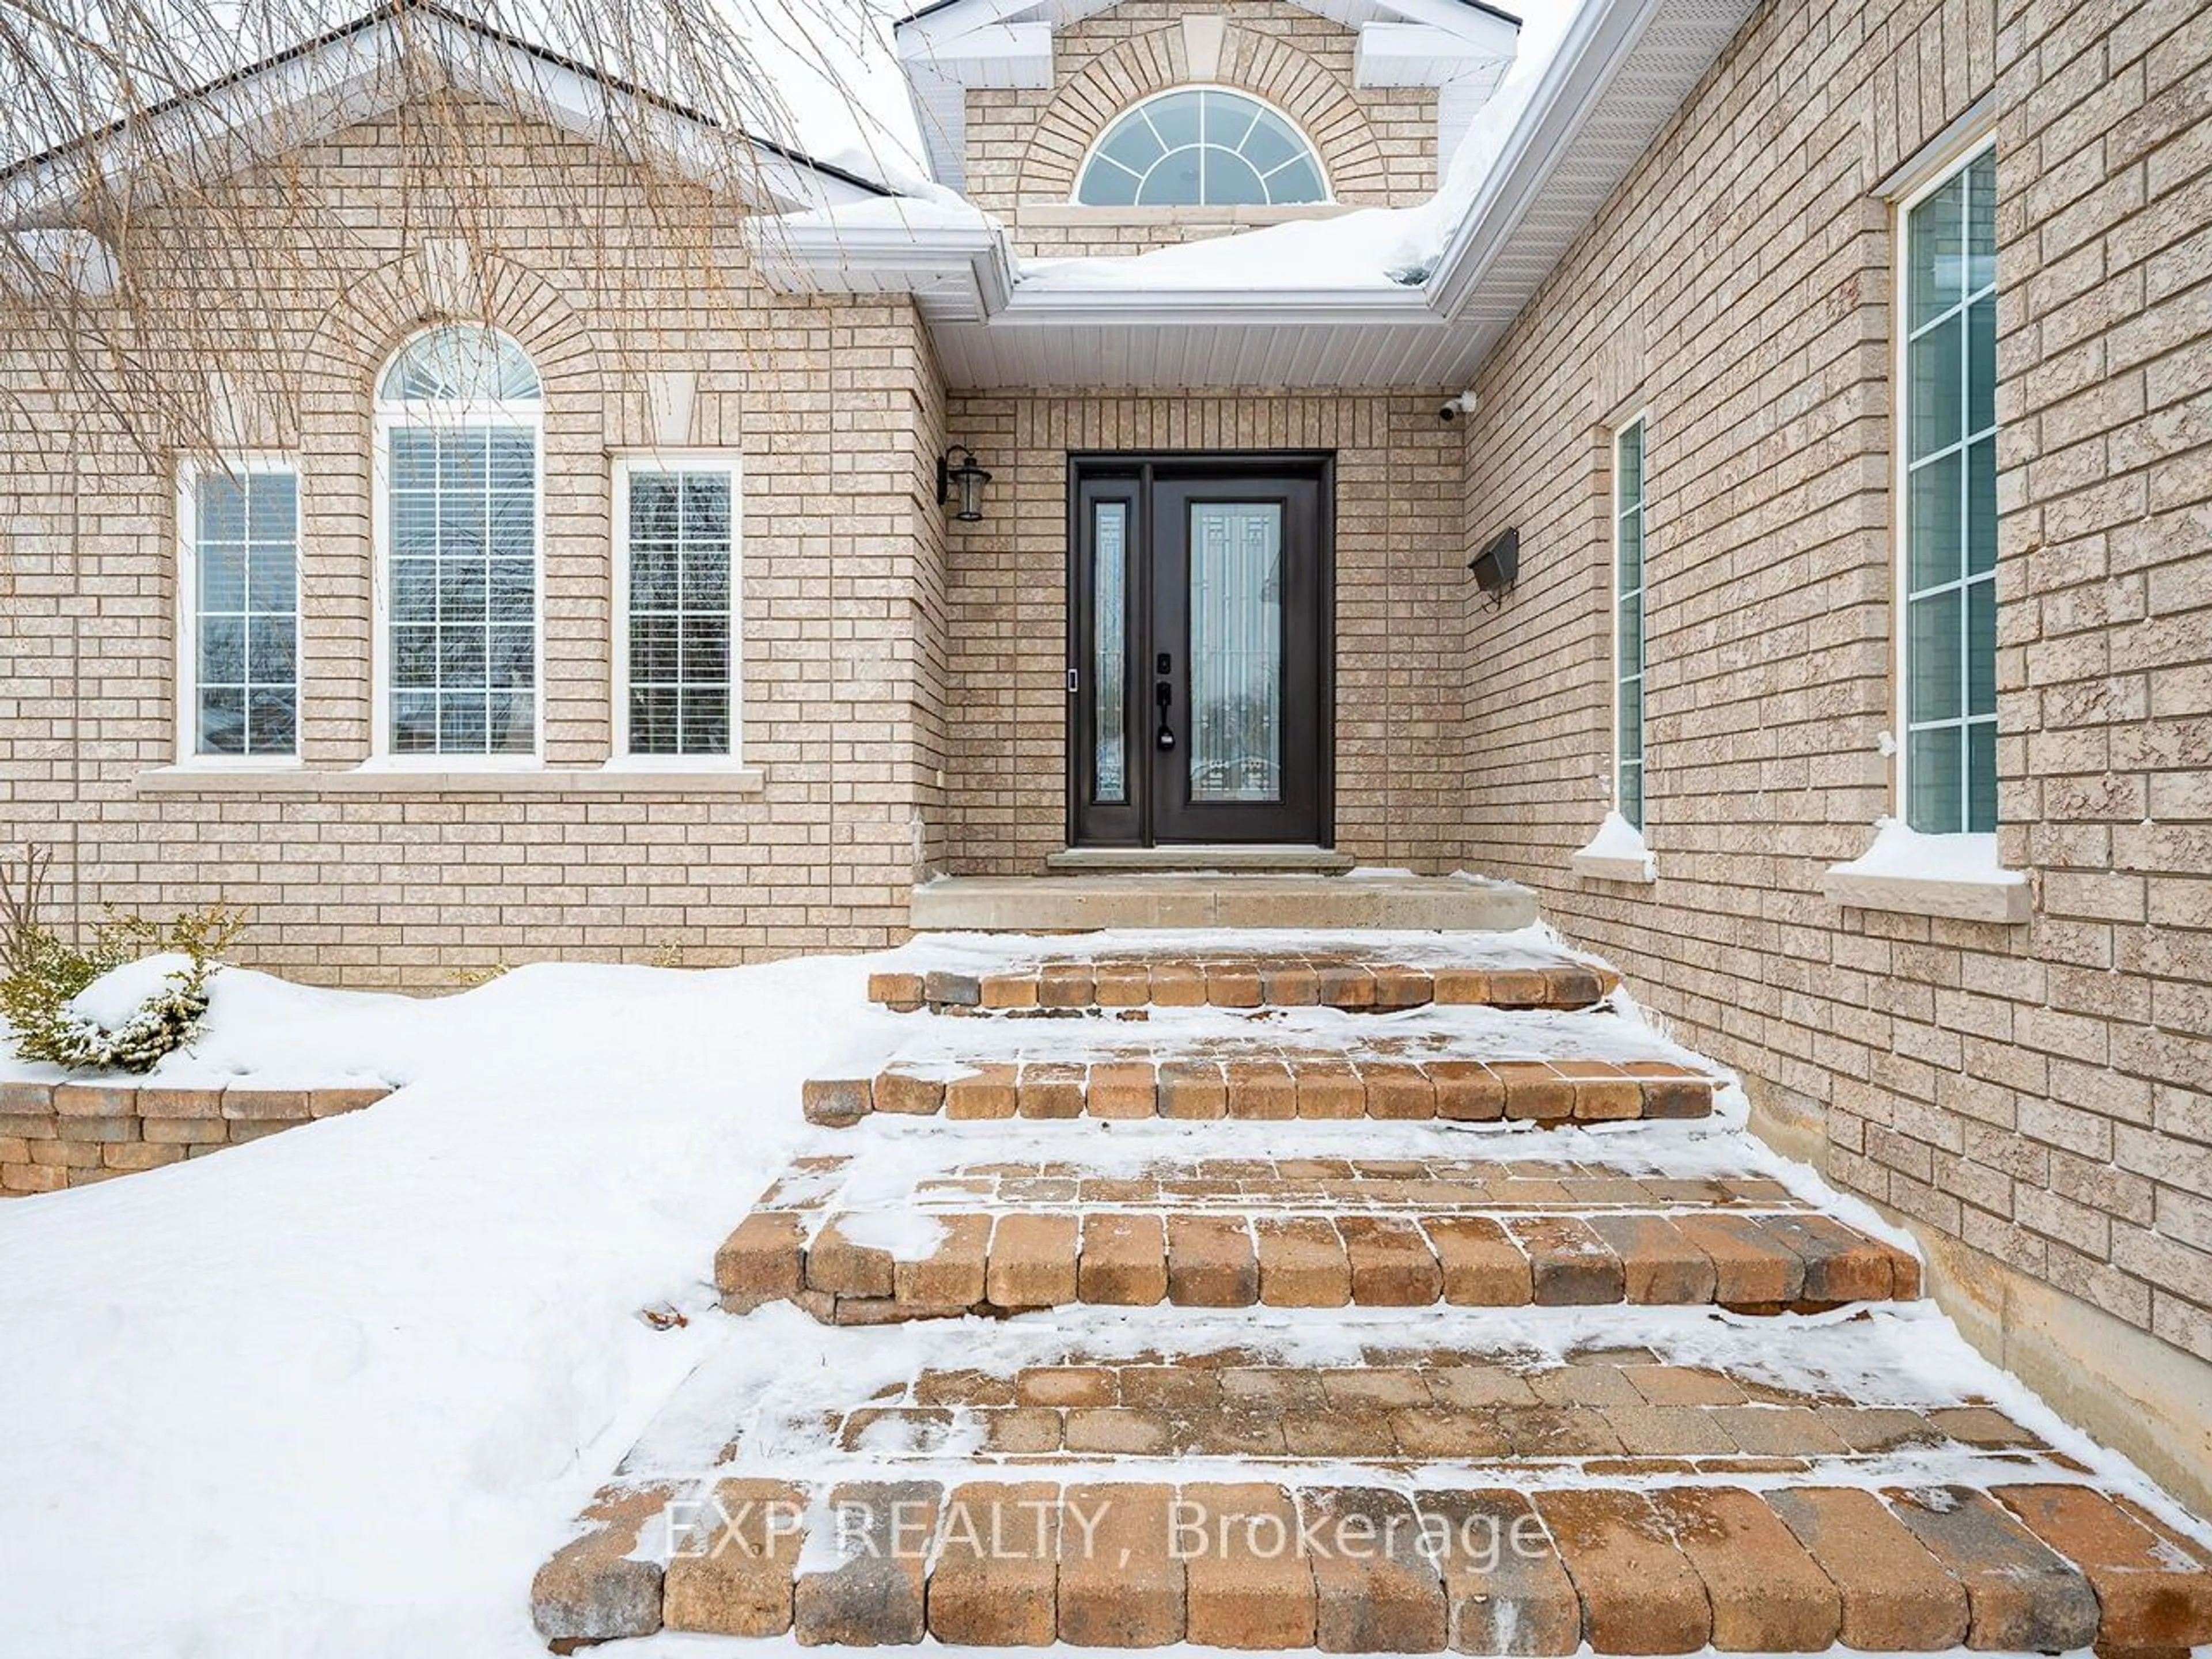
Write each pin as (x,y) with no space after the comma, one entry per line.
(2036,1099)
(1705,237)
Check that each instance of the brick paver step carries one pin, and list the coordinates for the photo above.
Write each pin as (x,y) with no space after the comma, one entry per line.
(1166,1451)
(1354,982)
(1386,1564)
(1416,1178)
(965,1245)
(1388,1083)
(1475,1411)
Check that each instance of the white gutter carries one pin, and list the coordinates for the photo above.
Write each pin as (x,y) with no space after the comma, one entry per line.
(961,272)
(1585,63)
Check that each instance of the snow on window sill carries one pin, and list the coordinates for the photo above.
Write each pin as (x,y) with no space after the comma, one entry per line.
(1955,876)
(386,779)
(1616,853)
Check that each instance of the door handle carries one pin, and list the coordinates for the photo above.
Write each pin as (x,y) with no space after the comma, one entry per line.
(1163,693)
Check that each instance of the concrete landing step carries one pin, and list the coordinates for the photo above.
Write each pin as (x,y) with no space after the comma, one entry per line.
(1294,1233)
(1386,1566)
(1080,903)
(1217,860)
(1250,1081)
(1349,978)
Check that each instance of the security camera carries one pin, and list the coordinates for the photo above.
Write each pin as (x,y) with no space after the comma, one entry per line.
(1462,406)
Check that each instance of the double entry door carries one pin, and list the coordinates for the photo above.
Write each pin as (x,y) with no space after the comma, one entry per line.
(1197,667)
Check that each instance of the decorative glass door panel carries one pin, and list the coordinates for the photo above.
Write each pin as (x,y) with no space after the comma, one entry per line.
(1197,659)
(1110,655)
(1237,651)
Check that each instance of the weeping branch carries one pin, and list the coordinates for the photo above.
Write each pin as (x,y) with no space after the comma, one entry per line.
(160,236)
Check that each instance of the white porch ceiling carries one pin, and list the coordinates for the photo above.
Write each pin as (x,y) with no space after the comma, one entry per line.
(1213,354)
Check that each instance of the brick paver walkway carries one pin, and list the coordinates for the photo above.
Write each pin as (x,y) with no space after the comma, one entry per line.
(1370,1295)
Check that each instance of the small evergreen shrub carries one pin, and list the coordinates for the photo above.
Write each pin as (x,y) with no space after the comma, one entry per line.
(45,974)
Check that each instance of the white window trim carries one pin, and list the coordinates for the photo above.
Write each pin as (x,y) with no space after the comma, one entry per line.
(1639,421)
(1955,153)
(389,414)
(626,465)
(1961,878)
(1114,122)
(235,463)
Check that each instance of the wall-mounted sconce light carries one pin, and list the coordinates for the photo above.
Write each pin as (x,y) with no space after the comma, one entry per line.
(1497,564)
(965,477)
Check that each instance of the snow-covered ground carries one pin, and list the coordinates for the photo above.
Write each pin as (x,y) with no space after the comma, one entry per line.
(338,1392)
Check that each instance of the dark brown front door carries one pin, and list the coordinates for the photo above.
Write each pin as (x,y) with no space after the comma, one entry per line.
(1198,682)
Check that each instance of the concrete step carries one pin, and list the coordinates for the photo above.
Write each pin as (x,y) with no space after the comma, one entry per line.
(1202,860)
(1001,1238)
(1347,975)
(1417,1565)
(1389,1082)
(1079,903)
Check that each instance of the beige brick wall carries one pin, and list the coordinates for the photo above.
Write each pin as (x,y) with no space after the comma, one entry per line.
(1400,574)
(836,411)
(2043,1093)
(1024,147)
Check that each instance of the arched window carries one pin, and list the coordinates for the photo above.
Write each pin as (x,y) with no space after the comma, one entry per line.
(460,414)
(1201,146)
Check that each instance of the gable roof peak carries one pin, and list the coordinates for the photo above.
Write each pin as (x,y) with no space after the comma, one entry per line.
(356,71)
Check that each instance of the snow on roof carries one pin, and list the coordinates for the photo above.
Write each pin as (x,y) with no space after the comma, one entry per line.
(835,83)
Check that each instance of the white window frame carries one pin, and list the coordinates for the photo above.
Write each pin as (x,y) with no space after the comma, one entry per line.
(1114,123)
(389,416)
(232,463)
(1639,422)
(627,465)
(1945,161)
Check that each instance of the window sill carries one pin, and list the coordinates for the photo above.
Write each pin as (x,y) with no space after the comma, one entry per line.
(1599,866)
(484,781)
(1956,878)
(1956,898)
(1615,852)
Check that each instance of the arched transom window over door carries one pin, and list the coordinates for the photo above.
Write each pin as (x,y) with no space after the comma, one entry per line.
(459,416)
(1202,147)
